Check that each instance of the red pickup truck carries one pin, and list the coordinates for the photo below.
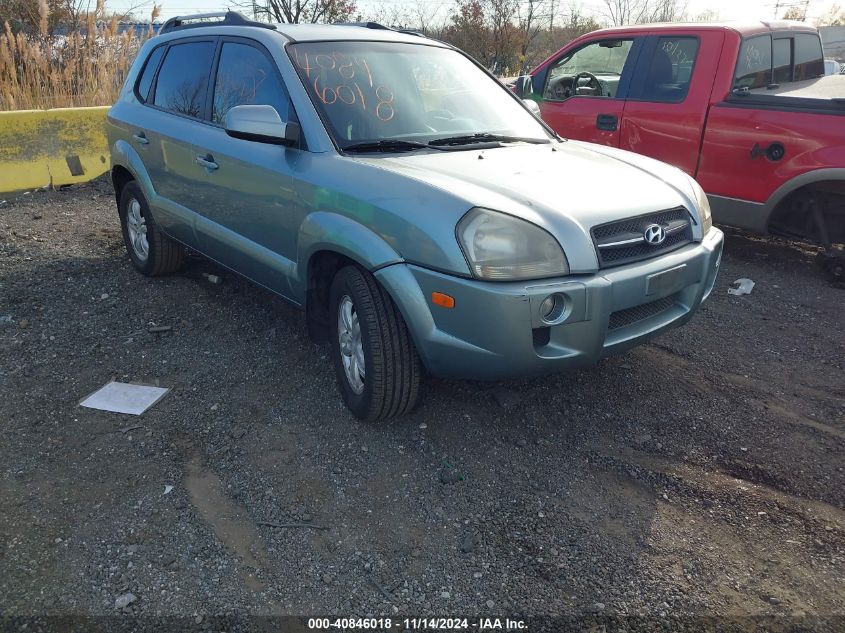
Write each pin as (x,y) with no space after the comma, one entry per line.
(743,108)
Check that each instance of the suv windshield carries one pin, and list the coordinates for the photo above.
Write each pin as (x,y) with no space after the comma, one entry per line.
(376,91)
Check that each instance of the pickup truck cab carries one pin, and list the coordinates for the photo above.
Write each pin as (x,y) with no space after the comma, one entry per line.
(743,108)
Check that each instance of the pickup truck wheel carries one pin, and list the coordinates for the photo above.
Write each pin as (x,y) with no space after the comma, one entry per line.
(151,251)
(378,370)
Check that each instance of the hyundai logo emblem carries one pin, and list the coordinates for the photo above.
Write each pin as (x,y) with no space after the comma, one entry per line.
(654,234)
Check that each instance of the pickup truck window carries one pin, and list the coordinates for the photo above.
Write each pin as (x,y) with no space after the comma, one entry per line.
(764,61)
(809,59)
(782,60)
(754,67)
(593,70)
(669,74)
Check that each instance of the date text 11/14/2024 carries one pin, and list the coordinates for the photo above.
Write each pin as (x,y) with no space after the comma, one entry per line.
(416,624)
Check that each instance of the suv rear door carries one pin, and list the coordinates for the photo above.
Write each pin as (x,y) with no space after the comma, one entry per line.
(248,209)
(175,107)
(572,104)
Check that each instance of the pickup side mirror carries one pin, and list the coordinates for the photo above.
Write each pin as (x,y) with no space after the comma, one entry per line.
(260,123)
(523,88)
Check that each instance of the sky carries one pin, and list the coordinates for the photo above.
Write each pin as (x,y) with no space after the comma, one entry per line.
(726,9)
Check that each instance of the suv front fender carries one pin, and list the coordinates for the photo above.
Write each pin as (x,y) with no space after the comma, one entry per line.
(329,231)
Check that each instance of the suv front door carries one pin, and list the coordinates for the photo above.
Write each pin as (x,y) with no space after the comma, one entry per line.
(248,209)
(583,91)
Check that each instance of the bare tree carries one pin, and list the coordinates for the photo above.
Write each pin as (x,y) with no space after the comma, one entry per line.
(835,16)
(531,22)
(795,13)
(621,12)
(296,11)
(666,11)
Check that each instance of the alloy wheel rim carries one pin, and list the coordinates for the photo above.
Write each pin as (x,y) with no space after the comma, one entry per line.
(136,225)
(351,344)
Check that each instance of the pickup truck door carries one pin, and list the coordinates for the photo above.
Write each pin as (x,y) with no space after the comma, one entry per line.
(669,97)
(582,92)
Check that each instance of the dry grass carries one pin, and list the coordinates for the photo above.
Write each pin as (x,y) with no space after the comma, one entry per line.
(84,68)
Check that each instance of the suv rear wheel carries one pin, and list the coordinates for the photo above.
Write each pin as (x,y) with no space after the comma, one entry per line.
(151,251)
(377,367)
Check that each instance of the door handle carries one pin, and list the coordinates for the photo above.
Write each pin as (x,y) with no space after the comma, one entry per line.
(207,161)
(607,122)
(141,138)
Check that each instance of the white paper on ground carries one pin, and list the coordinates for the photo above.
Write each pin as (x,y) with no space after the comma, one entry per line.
(122,397)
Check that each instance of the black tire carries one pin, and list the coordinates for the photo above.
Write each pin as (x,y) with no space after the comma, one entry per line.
(391,379)
(164,256)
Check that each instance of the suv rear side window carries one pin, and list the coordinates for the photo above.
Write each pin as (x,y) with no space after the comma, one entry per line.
(146,79)
(246,76)
(182,83)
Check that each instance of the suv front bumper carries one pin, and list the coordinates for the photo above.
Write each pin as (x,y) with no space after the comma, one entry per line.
(495,329)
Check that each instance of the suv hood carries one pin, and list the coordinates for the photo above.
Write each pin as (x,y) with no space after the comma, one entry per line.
(565,187)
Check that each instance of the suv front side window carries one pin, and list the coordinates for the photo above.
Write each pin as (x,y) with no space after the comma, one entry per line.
(182,82)
(246,76)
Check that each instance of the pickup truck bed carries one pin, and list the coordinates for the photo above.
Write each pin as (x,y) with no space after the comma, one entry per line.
(823,93)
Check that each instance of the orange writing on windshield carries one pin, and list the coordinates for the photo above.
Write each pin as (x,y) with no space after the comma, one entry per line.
(338,77)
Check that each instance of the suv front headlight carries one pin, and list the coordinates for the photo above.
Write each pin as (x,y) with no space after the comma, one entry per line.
(500,247)
(703,205)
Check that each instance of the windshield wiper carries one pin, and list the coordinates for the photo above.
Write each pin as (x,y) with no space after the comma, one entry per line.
(484,137)
(387,145)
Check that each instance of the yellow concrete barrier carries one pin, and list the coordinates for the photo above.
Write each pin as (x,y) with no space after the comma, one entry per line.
(52,147)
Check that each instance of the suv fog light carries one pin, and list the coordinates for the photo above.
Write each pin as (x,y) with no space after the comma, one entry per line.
(552,308)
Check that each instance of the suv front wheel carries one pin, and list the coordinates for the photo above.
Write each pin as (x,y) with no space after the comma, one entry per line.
(378,370)
(151,251)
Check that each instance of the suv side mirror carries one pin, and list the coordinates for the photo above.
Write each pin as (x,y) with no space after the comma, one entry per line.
(523,88)
(260,123)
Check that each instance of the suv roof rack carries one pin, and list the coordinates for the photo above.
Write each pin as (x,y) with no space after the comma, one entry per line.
(382,27)
(365,25)
(230,18)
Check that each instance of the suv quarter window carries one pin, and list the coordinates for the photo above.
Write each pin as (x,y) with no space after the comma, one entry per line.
(181,85)
(245,74)
(145,79)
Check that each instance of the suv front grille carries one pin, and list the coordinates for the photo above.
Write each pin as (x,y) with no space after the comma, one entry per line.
(629,316)
(623,241)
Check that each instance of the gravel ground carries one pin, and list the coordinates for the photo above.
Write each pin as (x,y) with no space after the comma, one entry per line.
(701,474)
